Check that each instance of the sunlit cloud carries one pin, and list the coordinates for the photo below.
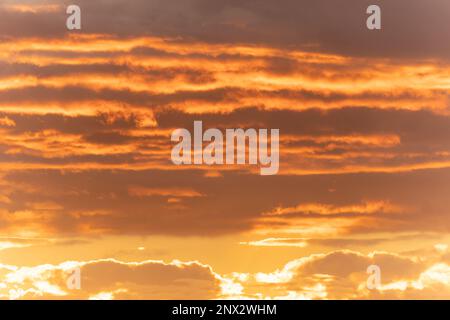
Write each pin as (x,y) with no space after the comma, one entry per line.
(85,125)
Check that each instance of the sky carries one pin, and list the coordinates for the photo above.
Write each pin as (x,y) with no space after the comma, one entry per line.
(87,181)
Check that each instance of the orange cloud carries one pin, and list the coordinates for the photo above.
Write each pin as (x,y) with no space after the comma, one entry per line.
(369,207)
(164,192)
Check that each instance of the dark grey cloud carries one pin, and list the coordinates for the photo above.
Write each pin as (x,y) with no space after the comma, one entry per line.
(411,28)
(415,128)
(190,75)
(104,197)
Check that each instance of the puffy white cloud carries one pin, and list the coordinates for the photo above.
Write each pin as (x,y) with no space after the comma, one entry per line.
(343,275)
(110,279)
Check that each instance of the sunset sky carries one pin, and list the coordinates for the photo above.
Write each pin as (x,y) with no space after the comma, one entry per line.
(86,178)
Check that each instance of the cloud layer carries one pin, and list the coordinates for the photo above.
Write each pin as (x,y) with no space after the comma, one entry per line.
(85,125)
